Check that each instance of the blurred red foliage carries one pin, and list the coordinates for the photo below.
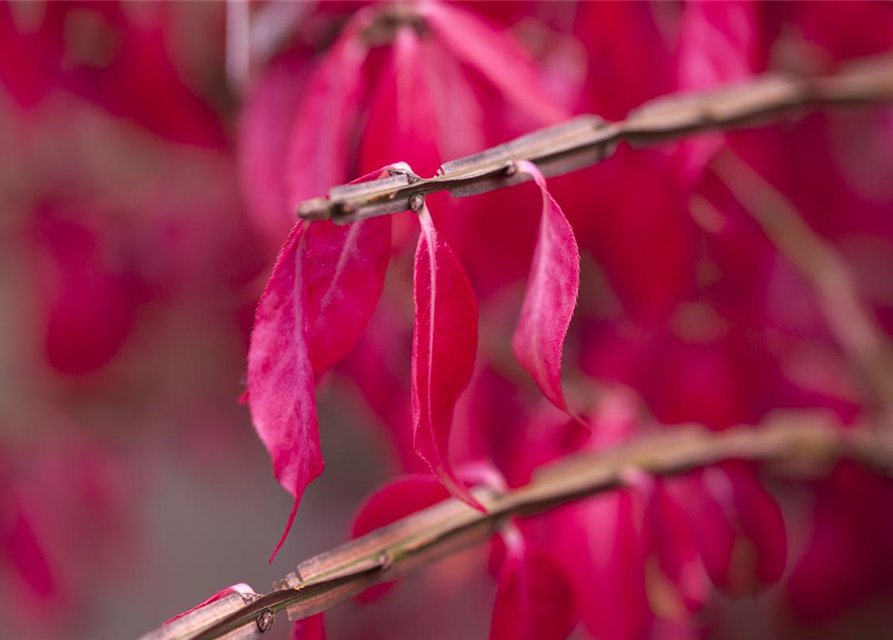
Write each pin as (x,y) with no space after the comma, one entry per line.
(145,194)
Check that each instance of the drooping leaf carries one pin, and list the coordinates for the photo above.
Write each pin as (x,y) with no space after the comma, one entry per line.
(444,345)
(324,287)
(344,272)
(535,599)
(396,499)
(601,546)
(496,56)
(280,375)
(269,110)
(551,296)
(676,580)
(312,628)
(323,136)
(720,43)
(762,522)
(740,530)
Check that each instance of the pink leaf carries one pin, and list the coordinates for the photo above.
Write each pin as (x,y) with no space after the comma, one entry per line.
(740,529)
(551,296)
(719,43)
(762,522)
(444,345)
(268,111)
(601,546)
(535,600)
(673,543)
(396,499)
(240,589)
(312,628)
(280,375)
(323,289)
(494,55)
(345,268)
(325,127)
(24,553)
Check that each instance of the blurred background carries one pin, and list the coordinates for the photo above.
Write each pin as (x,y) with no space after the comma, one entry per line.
(141,206)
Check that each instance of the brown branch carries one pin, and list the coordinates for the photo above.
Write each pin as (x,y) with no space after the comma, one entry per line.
(333,577)
(588,139)
(850,320)
(330,578)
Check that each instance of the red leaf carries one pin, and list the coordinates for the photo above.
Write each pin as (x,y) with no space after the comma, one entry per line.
(741,532)
(535,600)
(24,553)
(673,543)
(324,287)
(280,375)
(345,268)
(551,296)
(312,628)
(719,44)
(496,56)
(323,137)
(268,111)
(762,522)
(601,546)
(444,344)
(240,588)
(396,499)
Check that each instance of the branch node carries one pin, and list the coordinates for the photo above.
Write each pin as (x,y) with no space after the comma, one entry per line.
(265,620)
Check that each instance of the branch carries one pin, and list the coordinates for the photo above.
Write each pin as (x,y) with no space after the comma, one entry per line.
(849,319)
(589,139)
(335,576)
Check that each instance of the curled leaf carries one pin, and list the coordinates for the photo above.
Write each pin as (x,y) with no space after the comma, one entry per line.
(551,296)
(444,345)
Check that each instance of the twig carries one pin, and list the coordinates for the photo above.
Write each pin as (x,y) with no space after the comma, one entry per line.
(850,321)
(588,139)
(333,577)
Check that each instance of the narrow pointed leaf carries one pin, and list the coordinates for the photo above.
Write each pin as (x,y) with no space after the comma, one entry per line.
(397,499)
(535,599)
(324,133)
(240,588)
(280,375)
(551,296)
(344,270)
(312,628)
(444,345)
(496,56)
